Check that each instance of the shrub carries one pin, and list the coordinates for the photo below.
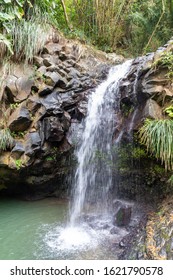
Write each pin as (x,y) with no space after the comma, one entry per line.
(157,136)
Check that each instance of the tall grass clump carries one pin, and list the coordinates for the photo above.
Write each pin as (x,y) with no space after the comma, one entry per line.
(24,28)
(28,37)
(6,140)
(157,136)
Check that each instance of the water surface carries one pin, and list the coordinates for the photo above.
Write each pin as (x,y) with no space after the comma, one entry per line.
(38,230)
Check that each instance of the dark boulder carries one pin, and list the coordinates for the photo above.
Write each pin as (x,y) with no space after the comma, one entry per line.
(123,216)
(20,120)
(11,88)
(18,150)
(53,129)
(33,143)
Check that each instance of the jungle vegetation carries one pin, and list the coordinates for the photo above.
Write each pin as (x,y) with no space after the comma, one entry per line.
(128,27)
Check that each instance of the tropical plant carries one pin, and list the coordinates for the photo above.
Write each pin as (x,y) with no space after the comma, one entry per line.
(21,23)
(6,140)
(169,110)
(28,32)
(9,11)
(157,136)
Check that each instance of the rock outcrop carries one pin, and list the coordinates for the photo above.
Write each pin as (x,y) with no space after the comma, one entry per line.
(40,106)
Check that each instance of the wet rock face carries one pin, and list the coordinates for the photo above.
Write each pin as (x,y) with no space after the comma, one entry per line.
(146,89)
(41,105)
(122,216)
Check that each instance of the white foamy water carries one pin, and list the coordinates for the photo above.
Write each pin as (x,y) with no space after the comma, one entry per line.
(73,238)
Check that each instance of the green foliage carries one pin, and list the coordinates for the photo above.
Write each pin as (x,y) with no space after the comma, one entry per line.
(169,111)
(123,156)
(21,24)
(158,169)
(138,153)
(5,41)
(28,32)
(157,136)
(166,60)
(51,158)
(6,139)
(126,109)
(19,134)
(9,11)
(14,106)
(18,163)
(127,27)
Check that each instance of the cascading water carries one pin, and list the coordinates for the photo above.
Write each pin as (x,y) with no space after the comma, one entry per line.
(93,178)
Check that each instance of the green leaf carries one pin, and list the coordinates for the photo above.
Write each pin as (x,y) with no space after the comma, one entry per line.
(7,1)
(19,12)
(20,4)
(7,42)
(4,16)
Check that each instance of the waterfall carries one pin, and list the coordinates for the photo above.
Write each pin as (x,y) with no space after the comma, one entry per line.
(93,178)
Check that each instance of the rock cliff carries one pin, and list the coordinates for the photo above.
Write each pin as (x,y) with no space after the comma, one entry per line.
(41,105)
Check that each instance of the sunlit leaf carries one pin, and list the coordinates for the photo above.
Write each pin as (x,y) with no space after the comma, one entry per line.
(7,42)
(5,16)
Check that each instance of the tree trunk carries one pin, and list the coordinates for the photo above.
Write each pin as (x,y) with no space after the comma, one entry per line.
(66,16)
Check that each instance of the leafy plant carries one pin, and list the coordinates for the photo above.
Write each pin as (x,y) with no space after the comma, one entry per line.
(14,106)
(18,134)
(138,152)
(6,139)
(21,24)
(169,111)
(8,12)
(51,158)
(4,40)
(18,163)
(157,136)
(166,60)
